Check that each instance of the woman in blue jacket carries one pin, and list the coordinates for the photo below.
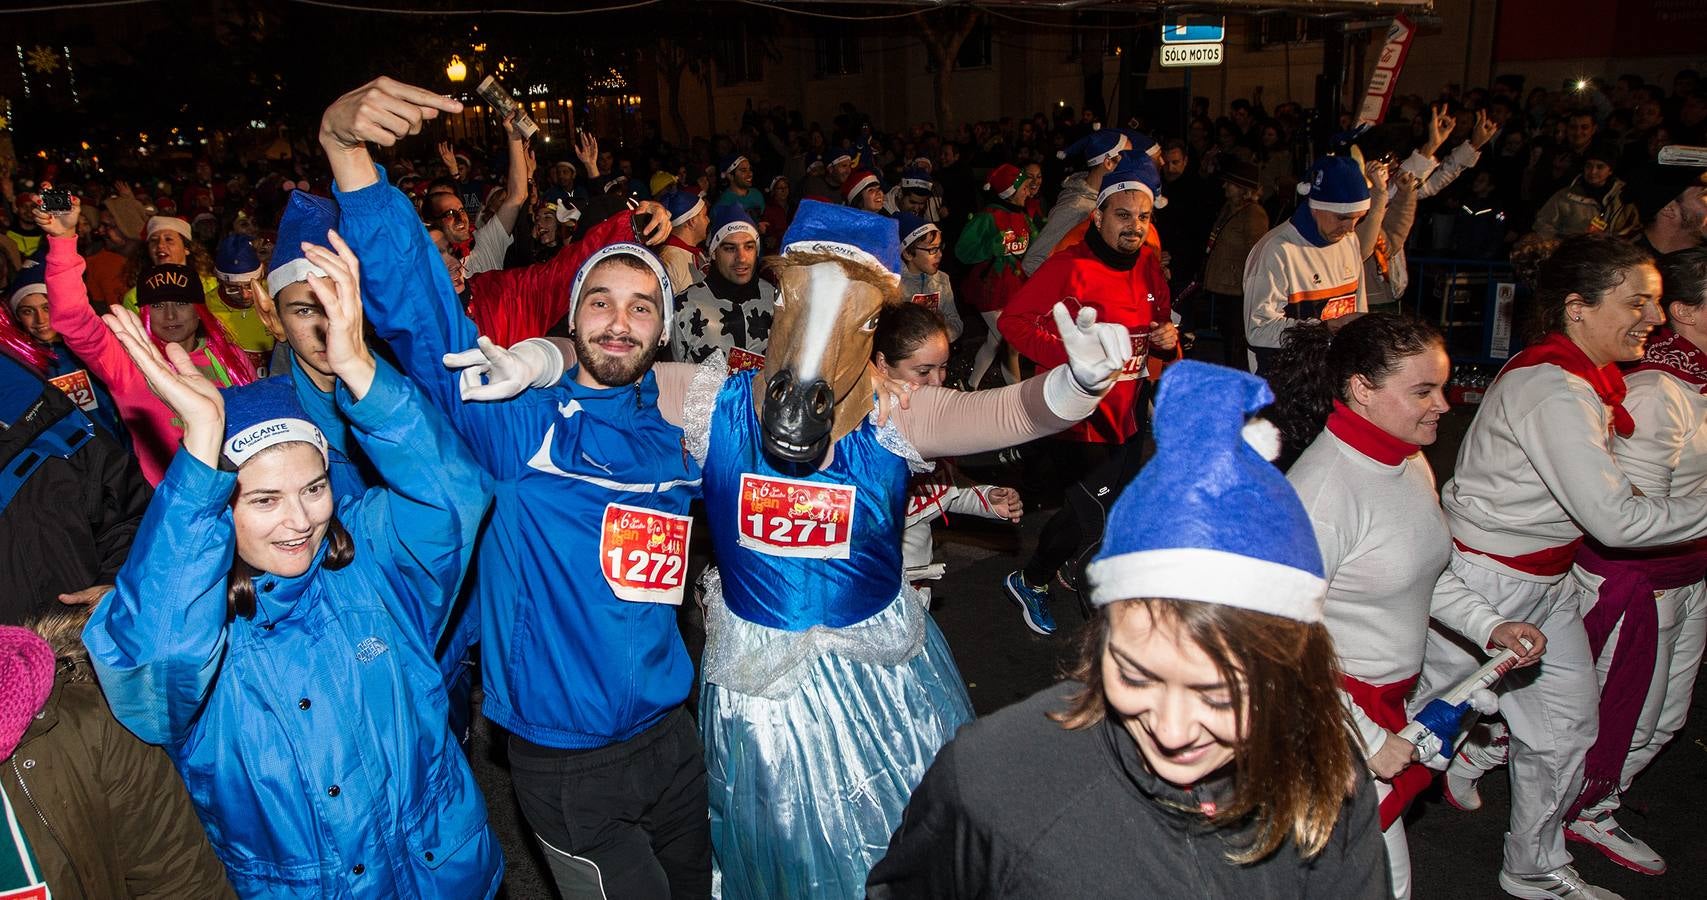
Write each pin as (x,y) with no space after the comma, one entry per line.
(279,643)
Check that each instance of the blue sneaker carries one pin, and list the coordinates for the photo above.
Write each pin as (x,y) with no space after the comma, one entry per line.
(1033,603)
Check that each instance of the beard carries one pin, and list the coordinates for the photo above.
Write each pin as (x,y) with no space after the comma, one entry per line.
(608,370)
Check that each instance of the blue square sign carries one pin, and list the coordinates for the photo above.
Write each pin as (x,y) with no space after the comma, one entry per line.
(1194,30)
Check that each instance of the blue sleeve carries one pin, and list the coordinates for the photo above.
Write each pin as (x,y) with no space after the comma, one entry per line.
(408,298)
(419,526)
(158,639)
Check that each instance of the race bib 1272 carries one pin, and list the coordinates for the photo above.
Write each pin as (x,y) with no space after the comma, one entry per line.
(643,554)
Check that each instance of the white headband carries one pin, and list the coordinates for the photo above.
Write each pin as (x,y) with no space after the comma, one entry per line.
(731,228)
(243,446)
(918,233)
(1109,190)
(667,298)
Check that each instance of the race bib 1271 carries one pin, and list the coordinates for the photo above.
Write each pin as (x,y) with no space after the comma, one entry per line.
(785,517)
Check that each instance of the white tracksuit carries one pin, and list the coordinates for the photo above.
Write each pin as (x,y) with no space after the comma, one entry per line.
(1665,457)
(1534,472)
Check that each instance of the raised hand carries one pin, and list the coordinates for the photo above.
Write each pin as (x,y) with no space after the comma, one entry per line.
(1440,125)
(447,153)
(657,222)
(340,295)
(1483,131)
(59,224)
(1096,351)
(587,150)
(383,111)
(174,378)
(1378,173)
(490,372)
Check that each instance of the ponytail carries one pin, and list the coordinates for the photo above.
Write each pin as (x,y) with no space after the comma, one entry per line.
(1315,367)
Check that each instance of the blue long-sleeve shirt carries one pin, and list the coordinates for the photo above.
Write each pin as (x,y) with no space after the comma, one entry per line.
(313,736)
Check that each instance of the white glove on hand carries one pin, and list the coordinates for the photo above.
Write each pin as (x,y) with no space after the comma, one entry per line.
(491,372)
(1096,351)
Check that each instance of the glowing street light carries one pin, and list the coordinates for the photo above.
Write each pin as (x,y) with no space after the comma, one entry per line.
(457,70)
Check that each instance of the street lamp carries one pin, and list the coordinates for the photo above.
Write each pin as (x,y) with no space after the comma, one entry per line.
(457,70)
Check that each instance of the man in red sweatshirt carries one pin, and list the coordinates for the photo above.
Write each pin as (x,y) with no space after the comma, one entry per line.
(1116,273)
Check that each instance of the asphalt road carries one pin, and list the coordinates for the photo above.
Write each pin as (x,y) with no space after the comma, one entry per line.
(1454,854)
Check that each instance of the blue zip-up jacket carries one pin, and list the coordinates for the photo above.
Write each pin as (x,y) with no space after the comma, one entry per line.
(69,373)
(349,469)
(313,736)
(565,663)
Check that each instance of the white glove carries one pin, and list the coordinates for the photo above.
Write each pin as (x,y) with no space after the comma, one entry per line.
(1096,351)
(491,372)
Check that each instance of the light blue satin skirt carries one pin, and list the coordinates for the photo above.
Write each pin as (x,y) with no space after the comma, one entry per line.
(807,788)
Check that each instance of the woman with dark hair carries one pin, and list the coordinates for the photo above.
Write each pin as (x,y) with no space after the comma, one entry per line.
(910,345)
(1201,749)
(1535,474)
(278,643)
(1367,400)
(1646,612)
(174,310)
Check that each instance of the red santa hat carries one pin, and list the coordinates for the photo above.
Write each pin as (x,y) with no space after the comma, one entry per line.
(1004,180)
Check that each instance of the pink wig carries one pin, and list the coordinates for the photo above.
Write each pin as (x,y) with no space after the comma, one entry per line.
(220,344)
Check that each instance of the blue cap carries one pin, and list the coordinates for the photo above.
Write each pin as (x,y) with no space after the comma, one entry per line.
(1182,530)
(31,279)
(1097,146)
(916,179)
(861,237)
(236,260)
(262,414)
(729,164)
(682,205)
(306,218)
(1135,172)
(912,227)
(1335,184)
(729,218)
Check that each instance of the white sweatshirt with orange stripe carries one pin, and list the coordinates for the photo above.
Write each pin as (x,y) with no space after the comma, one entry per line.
(1290,280)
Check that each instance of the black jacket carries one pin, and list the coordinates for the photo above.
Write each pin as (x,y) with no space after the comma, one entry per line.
(69,526)
(1017,806)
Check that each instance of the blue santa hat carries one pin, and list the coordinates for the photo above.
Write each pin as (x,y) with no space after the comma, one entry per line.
(1141,142)
(236,260)
(728,219)
(681,205)
(1135,172)
(31,279)
(1335,184)
(667,297)
(729,164)
(1209,518)
(264,414)
(306,218)
(916,179)
(837,155)
(864,238)
(1097,146)
(912,228)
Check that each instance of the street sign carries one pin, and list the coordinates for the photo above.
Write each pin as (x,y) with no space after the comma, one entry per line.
(1190,55)
(1194,30)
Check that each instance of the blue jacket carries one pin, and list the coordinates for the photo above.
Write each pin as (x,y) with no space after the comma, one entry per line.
(565,663)
(71,375)
(313,736)
(350,470)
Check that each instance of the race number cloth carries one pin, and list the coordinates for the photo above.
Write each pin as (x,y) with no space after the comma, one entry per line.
(826,547)
(644,553)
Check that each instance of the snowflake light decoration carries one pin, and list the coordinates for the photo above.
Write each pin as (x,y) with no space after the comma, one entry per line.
(43,60)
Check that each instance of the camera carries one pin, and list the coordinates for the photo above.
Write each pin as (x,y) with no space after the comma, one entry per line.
(57,200)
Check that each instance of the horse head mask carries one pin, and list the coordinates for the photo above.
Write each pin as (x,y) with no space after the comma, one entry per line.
(837,270)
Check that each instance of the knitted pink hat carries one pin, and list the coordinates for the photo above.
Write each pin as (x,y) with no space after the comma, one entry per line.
(26,678)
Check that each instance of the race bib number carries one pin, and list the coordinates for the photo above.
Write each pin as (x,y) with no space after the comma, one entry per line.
(643,554)
(742,359)
(932,300)
(1134,368)
(1015,244)
(33,892)
(77,386)
(784,517)
(1340,306)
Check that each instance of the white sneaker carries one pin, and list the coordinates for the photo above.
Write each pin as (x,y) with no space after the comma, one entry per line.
(1618,845)
(1562,883)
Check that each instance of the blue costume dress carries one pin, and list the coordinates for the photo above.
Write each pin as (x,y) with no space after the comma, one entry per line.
(827,689)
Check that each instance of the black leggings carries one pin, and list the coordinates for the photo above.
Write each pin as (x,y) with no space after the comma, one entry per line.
(1079,522)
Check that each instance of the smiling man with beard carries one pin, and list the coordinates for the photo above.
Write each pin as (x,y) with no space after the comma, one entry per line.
(1115,272)
(583,558)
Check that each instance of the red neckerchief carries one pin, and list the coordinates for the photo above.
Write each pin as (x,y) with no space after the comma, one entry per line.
(1608,381)
(1368,438)
(1671,353)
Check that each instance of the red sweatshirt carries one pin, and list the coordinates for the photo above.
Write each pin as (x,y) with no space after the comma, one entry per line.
(511,305)
(1134,298)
